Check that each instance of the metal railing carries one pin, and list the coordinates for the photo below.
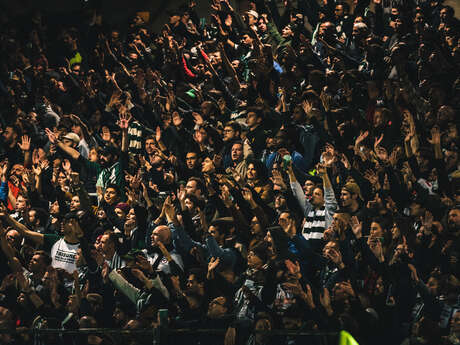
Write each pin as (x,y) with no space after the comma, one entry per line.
(163,336)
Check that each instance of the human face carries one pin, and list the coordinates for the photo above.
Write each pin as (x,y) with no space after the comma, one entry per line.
(376,230)
(287,32)
(160,234)
(105,159)
(189,204)
(110,196)
(337,223)
(191,159)
(207,166)
(191,188)
(317,198)
(443,15)
(254,261)
(106,246)
(237,152)
(217,308)
(280,202)
(308,187)
(338,11)
(192,285)
(325,29)
(329,247)
(75,203)
(119,316)
(131,216)
(33,217)
(455,324)
(150,146)
(36,264)
(9,135)
(262,26)
(229,133)
(345,198)
(252,120)
(255,226)
(93,155)
(453,219)
(214,232)
(21,204)
(174,19)
(246,40)
(70,227)
(120,213)
(101,214)
(284,220)
(13,237)
(433,286)
(251,172)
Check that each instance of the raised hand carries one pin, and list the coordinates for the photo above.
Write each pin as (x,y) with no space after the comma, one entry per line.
(321,169)
(123,121)
(25,143)
(165,252)
(356,227)
(435,136)
(67,166)
(278,179)
(51,135)
(325,300)
(198,118)
(361,138)
(345,161)
(213,263)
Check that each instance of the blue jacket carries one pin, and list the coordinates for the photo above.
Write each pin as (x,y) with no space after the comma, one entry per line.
(4,191)
(210,248)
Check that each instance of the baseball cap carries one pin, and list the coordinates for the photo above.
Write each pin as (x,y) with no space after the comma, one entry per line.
(72,137)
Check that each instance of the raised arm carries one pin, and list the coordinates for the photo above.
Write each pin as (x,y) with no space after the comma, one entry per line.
(22,229)
(67,149)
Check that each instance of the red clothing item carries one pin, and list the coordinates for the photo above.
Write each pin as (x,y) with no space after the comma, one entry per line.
(186,69)
(15,191)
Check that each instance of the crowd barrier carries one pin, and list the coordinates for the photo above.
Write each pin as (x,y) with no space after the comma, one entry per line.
(163,336)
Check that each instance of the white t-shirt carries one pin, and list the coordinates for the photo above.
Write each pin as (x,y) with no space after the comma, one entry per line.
(64,255)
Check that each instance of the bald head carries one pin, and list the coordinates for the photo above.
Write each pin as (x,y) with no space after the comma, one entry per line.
(162,234)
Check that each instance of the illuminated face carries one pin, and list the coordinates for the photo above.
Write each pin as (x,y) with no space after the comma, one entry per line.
(376,230)
(190,159)
(345,198)
(150,146)
(110,196)
(317,198)
(251,172)
(21,204)
(75,203)
(237,152)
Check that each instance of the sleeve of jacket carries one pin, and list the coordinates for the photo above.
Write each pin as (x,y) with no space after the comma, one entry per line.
(330,204)
(180,236)
(227,255)
(300,196)
(4,191)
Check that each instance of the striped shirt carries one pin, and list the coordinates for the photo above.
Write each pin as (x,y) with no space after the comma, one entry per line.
(315,223)
(116,262)
(316,219)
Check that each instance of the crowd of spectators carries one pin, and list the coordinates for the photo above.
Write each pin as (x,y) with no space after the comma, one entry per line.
(288,167)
